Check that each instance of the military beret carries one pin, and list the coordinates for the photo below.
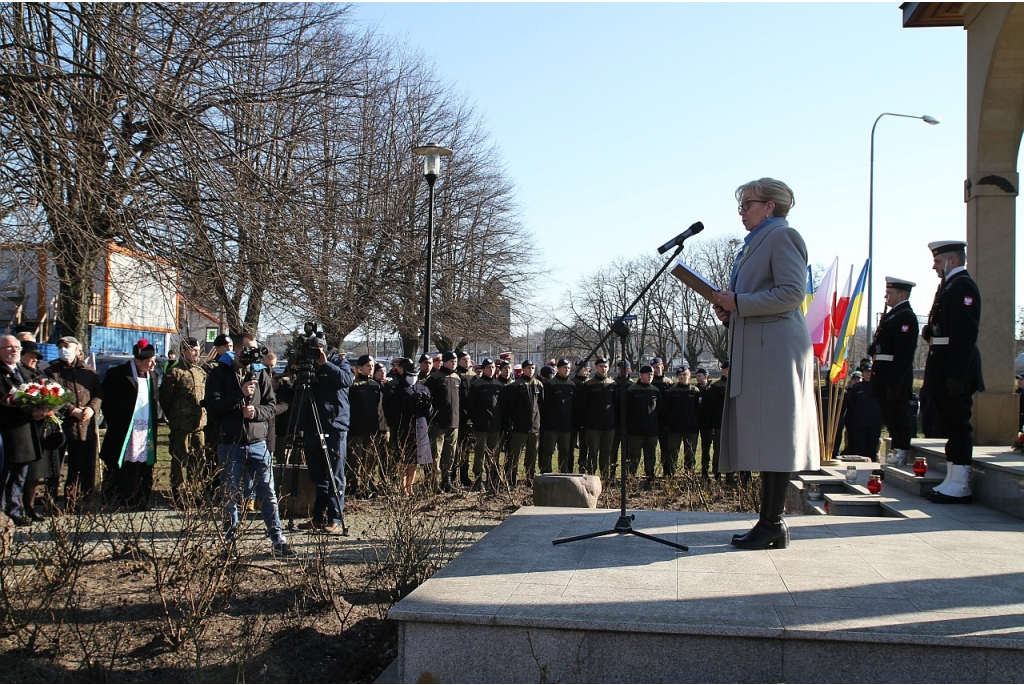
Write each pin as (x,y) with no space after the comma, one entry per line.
(449,356)
(407,365)
(725,364)
(646,368)
(187,342)
(527,363)
(682,369)
(583,364)
(504,363)
(940,246)
(547,371)
(600,360)
(857,374)
(898,284)
(221,339)
(700,370)
(563,362)
(657,360)
(425,358)
(487,362)
(461,353)
(364,359)
(624,363)
(865,367)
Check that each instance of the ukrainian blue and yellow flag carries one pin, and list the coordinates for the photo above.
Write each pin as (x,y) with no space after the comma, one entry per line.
(840,361)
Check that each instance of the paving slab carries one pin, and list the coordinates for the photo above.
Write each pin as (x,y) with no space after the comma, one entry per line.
(938,597)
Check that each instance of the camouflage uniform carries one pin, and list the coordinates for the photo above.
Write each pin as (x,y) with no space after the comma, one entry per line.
(181,396)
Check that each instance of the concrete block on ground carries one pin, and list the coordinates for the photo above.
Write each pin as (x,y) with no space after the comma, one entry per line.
(577,490)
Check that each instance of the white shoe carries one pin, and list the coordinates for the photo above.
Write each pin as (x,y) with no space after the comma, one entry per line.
(956,488)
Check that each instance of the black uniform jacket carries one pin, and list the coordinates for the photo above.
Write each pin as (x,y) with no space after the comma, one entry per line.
(893,349)
(644,407)
(485,412)
(681,405)
(953,333)
(600,403)
(366,402)
(520,405)
(445,392)
(557,412)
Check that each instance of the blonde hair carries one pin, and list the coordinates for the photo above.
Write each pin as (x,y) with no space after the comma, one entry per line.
(770,189)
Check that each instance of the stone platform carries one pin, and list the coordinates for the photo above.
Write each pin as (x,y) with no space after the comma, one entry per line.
(937,597)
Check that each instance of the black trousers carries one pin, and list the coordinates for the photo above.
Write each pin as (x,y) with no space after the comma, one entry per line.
(955,419)
(896,414)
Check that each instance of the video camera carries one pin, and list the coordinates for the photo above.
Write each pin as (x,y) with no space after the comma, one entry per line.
(248,356)
(307,351)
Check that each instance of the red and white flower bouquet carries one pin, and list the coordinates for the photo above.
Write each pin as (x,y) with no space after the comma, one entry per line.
(42,394)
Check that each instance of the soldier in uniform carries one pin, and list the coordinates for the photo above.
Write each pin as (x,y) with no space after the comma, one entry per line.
(893,350)
(662,383)
(445,388)
(579,438)
(952,373)
(706,422)
(520,409)
(426,369)
(600,412)
(181,395)
(367,427)
(556,419)
(682,424)
(862,415)
(712,405)
(464,367)
(644,409)
(484,395)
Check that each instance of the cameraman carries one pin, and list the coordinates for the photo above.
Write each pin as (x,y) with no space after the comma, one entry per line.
(240,403)
(328,393)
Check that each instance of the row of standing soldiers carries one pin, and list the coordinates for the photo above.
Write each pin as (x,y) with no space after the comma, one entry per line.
(486,412)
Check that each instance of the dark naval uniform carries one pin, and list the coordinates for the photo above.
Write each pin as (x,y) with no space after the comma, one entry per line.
(892,376)
(952,373)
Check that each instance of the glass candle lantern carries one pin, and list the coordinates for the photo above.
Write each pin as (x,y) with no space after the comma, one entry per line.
(920,467)
(875,485)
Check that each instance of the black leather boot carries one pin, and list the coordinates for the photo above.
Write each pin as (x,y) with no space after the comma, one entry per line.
(771,529)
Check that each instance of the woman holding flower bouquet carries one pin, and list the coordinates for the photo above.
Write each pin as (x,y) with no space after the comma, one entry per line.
(20,422)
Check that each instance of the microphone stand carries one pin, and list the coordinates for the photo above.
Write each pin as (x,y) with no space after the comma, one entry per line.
(624,524)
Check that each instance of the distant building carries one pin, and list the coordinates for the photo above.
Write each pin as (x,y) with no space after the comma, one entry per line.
(134,296)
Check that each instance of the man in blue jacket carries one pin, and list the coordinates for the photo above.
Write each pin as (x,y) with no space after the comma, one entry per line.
(326,432)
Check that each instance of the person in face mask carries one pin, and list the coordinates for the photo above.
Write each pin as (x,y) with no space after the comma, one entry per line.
(81,425)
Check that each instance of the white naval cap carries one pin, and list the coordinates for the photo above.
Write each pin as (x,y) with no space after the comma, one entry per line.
(898,283)
(940,246)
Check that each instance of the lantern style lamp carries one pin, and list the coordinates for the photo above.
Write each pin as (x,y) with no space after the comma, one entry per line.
(432,154)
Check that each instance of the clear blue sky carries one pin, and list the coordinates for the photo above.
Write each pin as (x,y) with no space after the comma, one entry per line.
(622,124)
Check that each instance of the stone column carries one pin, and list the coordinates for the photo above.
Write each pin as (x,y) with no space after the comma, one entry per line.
(995,93)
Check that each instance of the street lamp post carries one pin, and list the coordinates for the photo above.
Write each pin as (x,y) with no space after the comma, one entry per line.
(932,121)
(432,154)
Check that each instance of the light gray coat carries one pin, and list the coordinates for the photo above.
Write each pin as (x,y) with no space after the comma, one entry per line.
(770,422)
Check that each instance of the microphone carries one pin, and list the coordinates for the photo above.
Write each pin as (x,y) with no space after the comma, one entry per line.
(681,238)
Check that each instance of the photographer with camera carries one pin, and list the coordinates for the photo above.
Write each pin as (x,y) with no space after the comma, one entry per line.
(240,403)
(324,418)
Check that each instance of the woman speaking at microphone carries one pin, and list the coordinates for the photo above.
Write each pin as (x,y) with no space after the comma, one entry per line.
(769,423)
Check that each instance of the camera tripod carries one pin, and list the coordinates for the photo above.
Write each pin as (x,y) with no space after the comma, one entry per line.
(624,526)
(295,443)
